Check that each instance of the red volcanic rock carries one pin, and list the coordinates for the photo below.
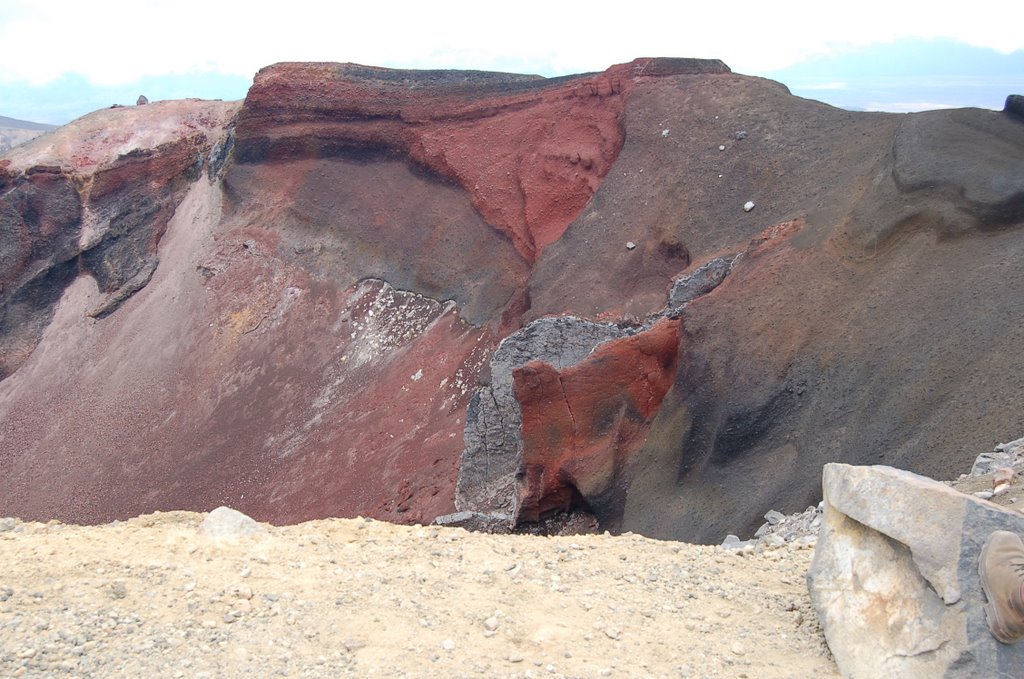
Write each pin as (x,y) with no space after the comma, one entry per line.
(529,151)
(344,315)
(583,424)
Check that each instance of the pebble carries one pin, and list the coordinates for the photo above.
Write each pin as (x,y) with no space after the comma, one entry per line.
(118,590)
(748,206)
(448,645)
(352,645)
(630,245)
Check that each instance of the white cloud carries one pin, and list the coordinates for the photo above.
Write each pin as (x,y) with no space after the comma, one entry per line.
(117,41)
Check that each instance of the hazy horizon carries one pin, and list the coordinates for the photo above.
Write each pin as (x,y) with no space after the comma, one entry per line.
(896,77)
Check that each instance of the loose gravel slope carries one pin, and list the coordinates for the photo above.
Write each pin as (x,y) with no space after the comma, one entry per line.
(154,596)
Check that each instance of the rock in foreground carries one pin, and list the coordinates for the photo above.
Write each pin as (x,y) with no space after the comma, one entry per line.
(895,577)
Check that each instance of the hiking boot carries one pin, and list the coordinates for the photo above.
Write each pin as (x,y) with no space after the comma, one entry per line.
(1001,568)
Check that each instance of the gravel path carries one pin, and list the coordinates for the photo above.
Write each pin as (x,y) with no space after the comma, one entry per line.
(155,597)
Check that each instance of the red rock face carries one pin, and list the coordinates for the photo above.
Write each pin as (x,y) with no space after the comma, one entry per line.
(529,152)
(307,329)
(582,425)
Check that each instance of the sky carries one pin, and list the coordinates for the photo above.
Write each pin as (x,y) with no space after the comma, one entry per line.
(62,58)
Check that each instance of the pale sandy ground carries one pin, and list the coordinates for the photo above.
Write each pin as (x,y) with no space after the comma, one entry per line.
(153,597)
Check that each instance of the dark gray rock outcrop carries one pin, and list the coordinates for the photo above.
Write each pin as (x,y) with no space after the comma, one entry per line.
(1005,455)
(966,159)
(1015,105)
(706,278)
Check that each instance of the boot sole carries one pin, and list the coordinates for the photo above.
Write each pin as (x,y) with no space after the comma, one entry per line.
(996,625)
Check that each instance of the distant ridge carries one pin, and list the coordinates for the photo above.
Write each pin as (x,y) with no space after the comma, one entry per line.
(14,132)
(25,124)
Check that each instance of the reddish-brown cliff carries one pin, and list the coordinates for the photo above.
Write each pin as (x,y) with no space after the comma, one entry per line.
(530,152)
(398,293)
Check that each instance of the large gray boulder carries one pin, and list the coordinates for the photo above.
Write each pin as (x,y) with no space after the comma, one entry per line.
(895,577)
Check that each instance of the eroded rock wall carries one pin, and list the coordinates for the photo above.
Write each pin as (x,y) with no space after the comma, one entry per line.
(64,213)
(377,292)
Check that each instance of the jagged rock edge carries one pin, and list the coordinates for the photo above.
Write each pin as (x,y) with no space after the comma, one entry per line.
(502,512)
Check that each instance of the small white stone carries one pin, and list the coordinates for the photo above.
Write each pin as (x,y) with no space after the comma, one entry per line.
(448,645)
(721,147)
(630,245)
(664,133)
(748,206)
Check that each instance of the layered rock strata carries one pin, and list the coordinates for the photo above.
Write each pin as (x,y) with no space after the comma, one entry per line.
(288,305)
